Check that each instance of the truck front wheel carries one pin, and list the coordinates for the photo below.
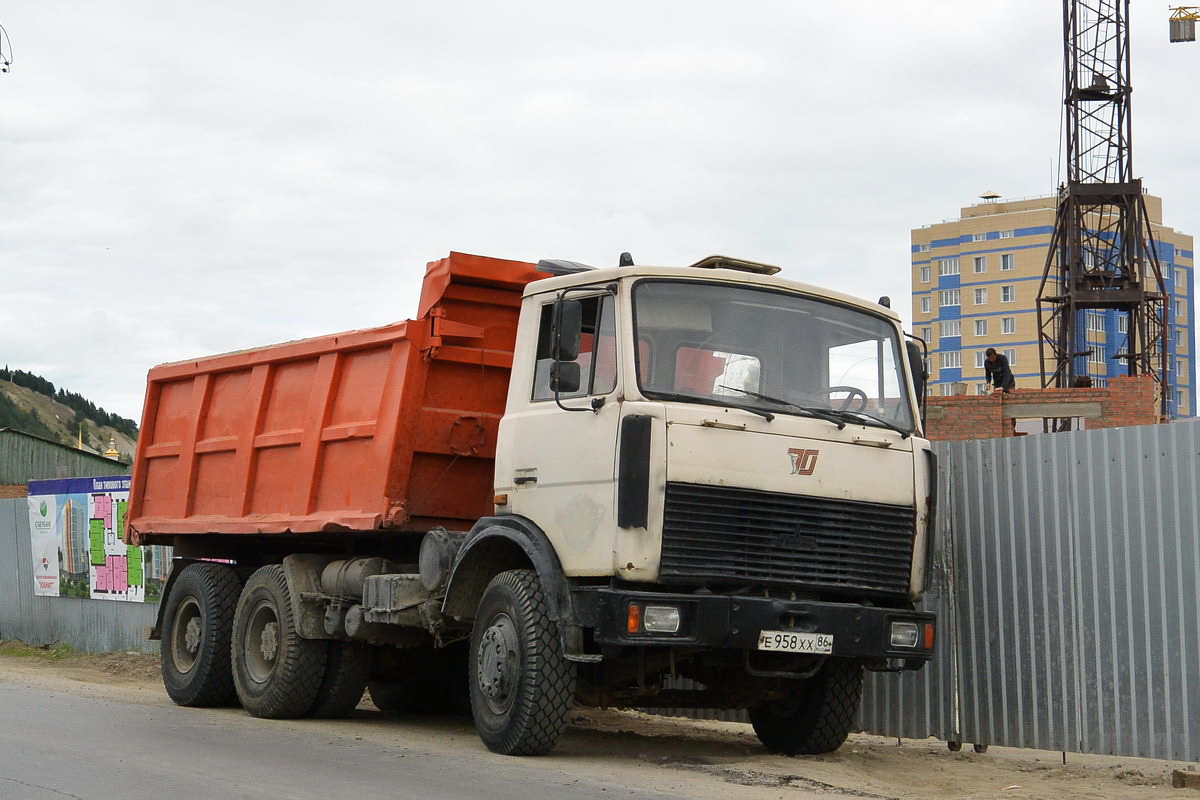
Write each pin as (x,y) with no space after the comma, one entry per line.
(277,673)
(522,687)
(197,624)
(819,715)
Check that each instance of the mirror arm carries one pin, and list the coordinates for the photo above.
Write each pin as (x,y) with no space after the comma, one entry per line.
(597,402)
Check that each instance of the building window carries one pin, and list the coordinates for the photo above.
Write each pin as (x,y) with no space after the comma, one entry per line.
(1008,293)
(1006,234)
(952,359)
(1011,355)
(981,388)
(922,248)
(1180,369)
(950,297)
(978,237)
(1123,324)
(925,274)
(980,358)
(1178,337)
(1180,279)
(1100,383)
(1007,261)
(980,264)
(948,266)
(1008,325)
(1179,398)
(927,333)
(952,328)
(1095,322)
(1096,355)
(1181,308)
(981,327)
(926,305)
(980,297)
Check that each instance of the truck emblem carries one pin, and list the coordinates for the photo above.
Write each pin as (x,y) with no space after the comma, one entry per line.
(803,461)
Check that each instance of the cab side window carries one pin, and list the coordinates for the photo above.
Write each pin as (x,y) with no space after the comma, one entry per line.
(597,350)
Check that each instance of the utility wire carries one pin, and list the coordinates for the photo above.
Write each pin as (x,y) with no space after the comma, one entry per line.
(6,54)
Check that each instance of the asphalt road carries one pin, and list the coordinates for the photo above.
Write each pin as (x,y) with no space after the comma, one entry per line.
(70,745)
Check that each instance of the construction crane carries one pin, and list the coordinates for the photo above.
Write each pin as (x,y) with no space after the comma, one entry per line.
(1183,23)
(1102,255)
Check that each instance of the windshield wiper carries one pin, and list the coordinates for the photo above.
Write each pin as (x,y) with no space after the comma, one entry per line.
(858,416)
(711,401)
(813,411)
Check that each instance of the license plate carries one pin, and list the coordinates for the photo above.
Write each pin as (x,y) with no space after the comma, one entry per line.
(793,642)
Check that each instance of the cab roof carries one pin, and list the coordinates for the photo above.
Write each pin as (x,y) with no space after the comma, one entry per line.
(745,277)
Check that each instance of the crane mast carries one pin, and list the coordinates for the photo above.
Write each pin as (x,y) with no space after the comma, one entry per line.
(1102,256)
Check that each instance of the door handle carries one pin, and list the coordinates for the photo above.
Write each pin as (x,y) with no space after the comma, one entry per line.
(525,476)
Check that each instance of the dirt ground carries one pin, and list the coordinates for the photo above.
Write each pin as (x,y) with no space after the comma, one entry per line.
(687,757)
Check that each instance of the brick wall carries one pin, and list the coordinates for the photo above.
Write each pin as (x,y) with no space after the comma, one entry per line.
(9,491)
(1127,400)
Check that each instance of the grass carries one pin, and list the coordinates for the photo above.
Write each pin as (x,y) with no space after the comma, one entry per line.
(56,651)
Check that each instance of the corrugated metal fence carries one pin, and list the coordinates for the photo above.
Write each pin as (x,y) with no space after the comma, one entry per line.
(24,457)
(88,625)
(1067,581)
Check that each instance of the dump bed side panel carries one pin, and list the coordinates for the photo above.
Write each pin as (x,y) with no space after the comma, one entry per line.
(391,427)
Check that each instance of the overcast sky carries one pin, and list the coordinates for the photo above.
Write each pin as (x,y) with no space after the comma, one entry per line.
(181,179)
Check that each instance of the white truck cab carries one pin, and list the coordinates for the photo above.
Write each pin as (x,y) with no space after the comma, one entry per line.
(728,468)
(745,388)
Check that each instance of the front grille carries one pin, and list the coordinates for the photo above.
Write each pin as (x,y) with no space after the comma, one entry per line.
(720,534)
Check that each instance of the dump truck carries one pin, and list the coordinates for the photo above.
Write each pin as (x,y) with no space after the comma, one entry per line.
(683,487)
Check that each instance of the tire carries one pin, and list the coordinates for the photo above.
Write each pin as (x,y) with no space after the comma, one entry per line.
(347,667)
(818,718)
(277,673)
(196,631)
(522,687)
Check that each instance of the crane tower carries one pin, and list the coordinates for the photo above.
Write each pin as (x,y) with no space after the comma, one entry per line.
(1102,255)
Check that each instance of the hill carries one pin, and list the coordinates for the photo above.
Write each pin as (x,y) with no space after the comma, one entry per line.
(62,416)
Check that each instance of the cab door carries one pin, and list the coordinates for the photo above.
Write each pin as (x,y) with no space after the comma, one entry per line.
(560,450)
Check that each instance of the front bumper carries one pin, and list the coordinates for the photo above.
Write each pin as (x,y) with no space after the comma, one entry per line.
(719,621)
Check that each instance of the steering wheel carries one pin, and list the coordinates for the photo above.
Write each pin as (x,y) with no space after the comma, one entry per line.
(853,393)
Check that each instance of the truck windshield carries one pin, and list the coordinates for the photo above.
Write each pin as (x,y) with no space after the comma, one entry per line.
(770,350)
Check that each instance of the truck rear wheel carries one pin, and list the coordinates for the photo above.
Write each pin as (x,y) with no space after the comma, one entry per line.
(818,717)
(522,687)
(197,625)
(277,673)
(347,667)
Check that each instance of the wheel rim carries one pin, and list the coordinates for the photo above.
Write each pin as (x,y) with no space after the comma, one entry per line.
(261,643)
(187,631)
(497,664)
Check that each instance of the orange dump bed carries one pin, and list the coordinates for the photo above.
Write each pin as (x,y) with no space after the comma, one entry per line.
(391,427)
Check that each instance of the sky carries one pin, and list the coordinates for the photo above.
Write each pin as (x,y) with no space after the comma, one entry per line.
(181,179)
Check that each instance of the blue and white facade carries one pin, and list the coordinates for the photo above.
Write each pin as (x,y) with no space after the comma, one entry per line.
(975,285)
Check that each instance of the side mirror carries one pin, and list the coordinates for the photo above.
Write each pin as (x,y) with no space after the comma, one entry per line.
(916,365)
(568,330)
(564,377)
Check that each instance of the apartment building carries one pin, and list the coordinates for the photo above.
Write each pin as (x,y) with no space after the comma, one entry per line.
(975,285)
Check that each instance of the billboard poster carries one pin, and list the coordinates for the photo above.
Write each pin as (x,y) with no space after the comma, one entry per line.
(78,531)
(43,531)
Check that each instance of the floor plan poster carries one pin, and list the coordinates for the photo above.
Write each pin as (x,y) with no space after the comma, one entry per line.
(78,531)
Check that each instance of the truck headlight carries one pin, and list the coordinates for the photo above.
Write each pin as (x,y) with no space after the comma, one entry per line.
(660,619)
(904,634)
